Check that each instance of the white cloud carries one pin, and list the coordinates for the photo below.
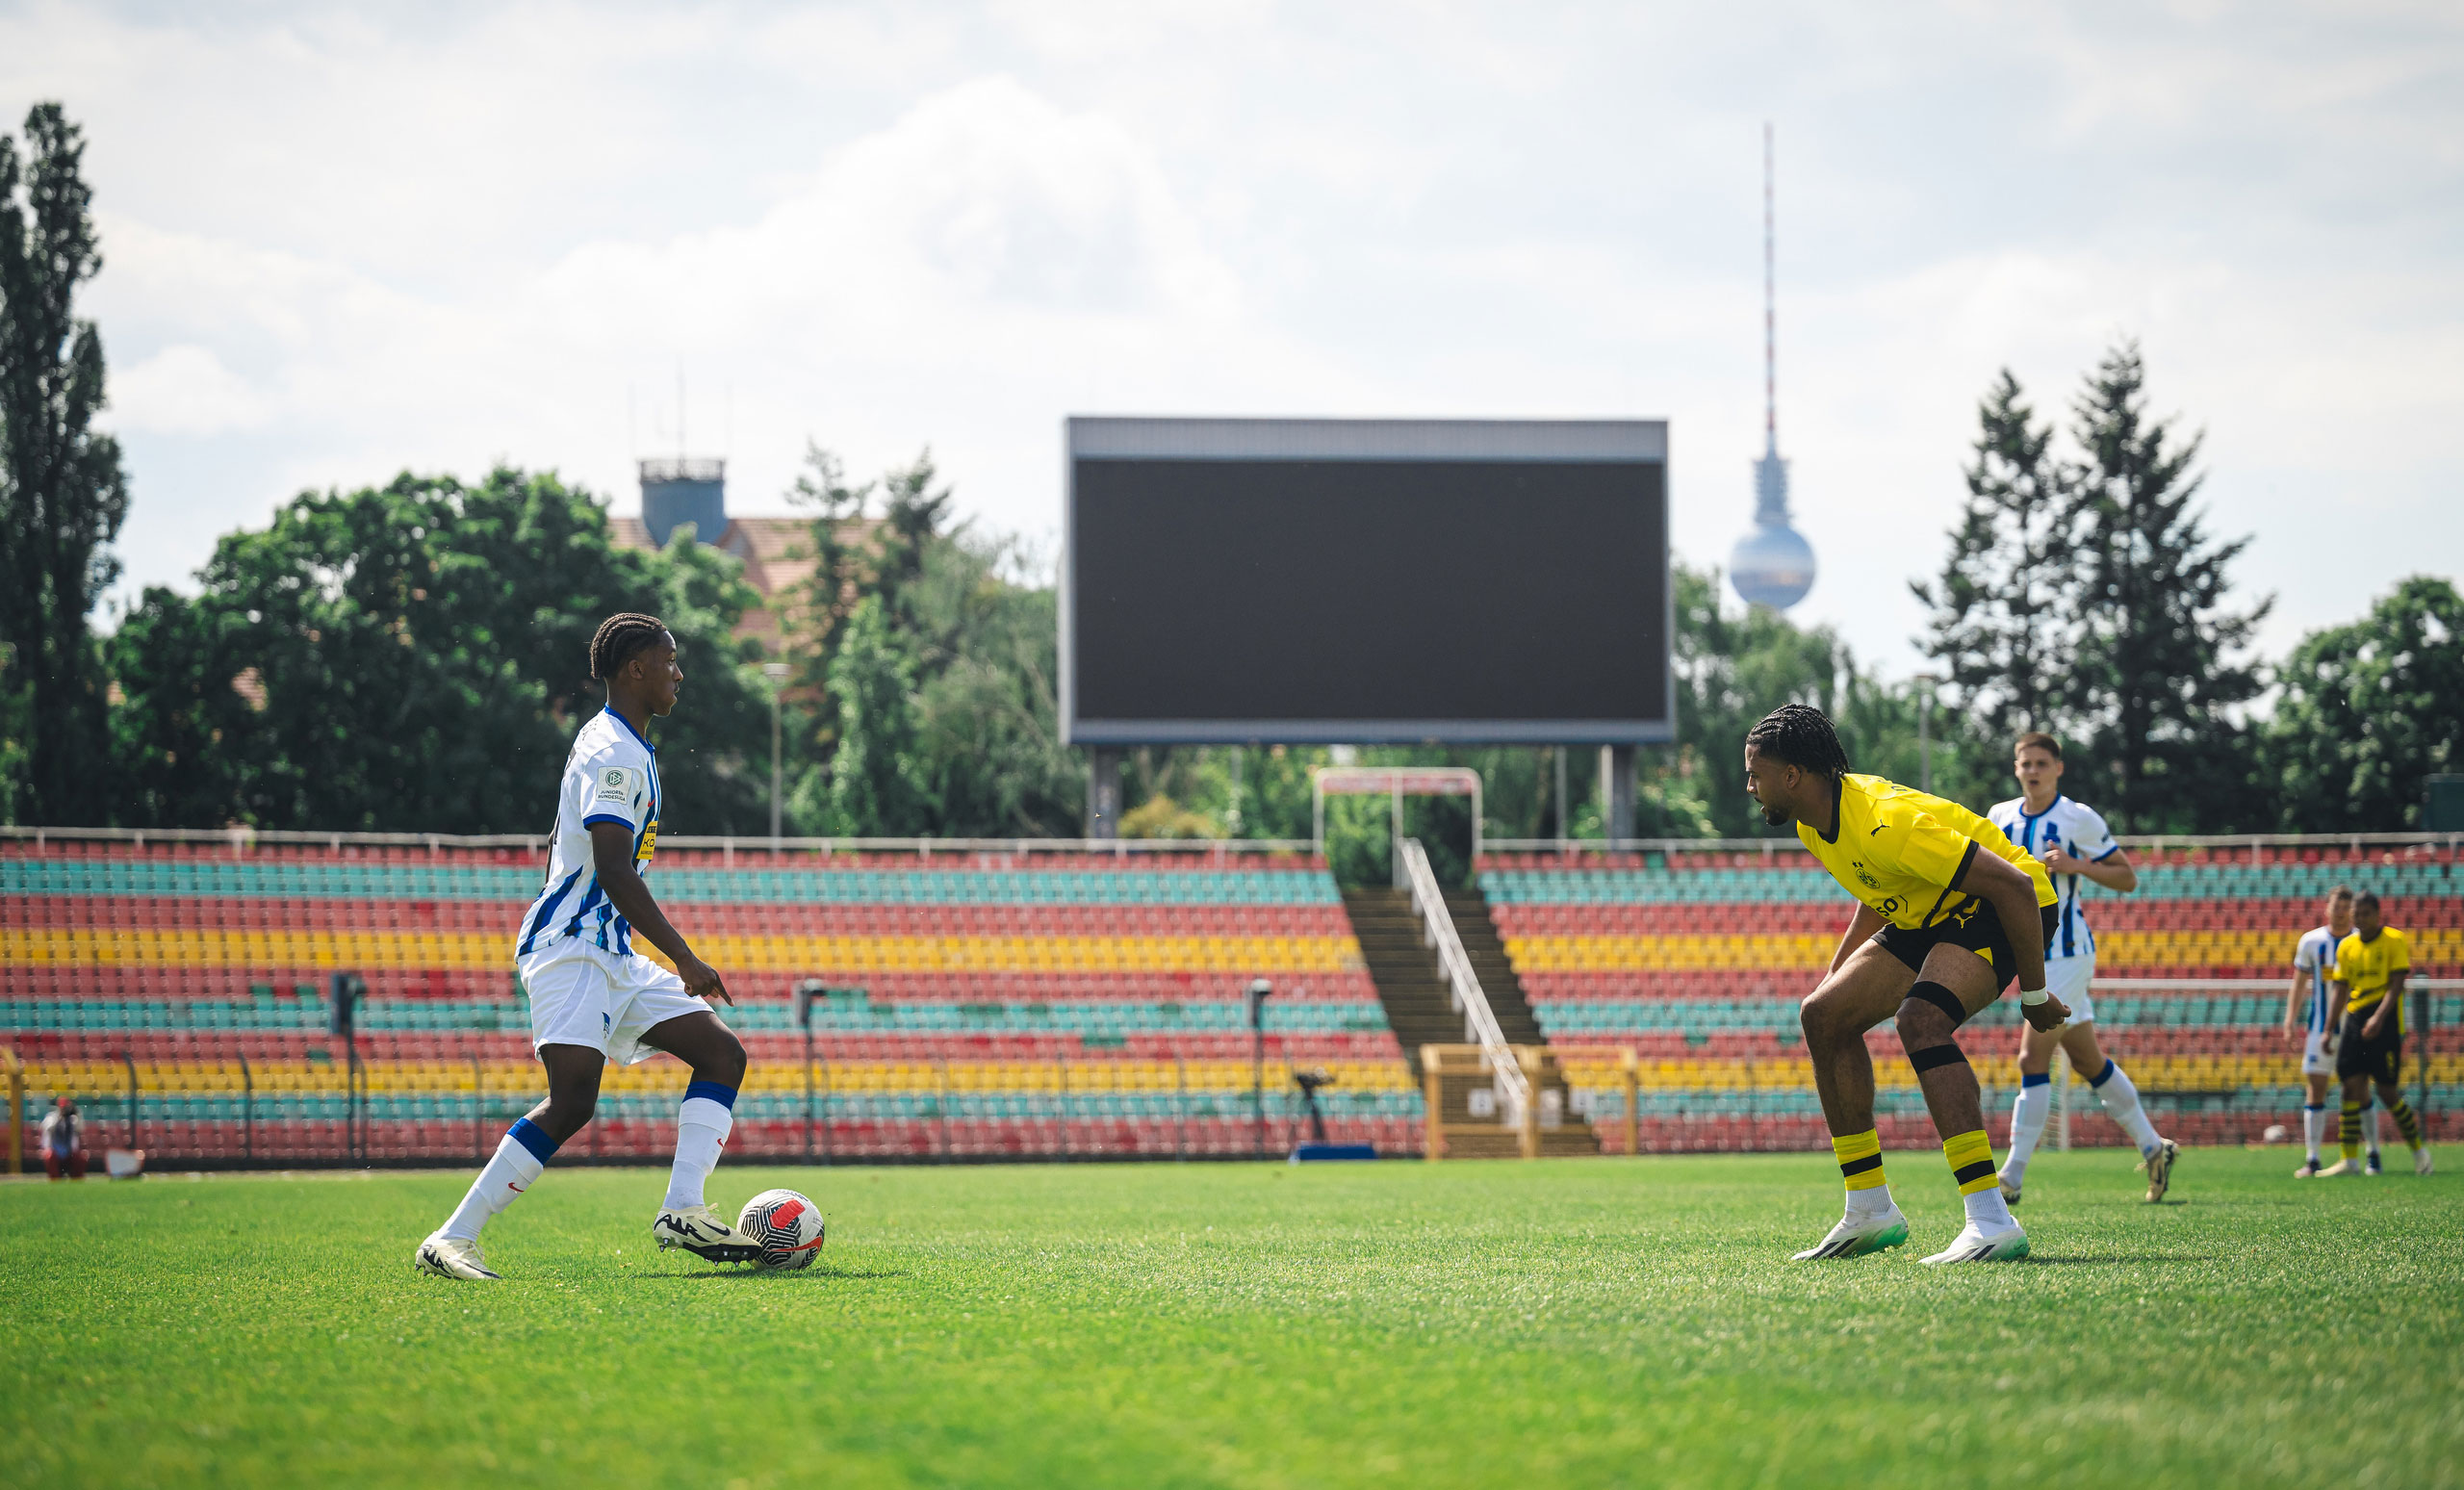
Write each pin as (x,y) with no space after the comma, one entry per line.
(183,390)
(344,243)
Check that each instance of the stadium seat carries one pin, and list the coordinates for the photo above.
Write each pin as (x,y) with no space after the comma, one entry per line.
(189,964)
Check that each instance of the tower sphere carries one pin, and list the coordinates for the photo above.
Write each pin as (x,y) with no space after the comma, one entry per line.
(1772,566)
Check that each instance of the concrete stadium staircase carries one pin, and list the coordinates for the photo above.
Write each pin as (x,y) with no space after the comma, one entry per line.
(1405,970)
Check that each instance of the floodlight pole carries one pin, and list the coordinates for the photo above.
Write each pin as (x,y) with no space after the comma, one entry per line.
(348,991)
(130,1062)
(17,1111)
(805,992)
(1259,992)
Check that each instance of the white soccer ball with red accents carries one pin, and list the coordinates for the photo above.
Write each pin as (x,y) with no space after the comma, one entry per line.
(787,1225)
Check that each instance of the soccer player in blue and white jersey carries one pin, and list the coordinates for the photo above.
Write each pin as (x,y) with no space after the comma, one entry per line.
(2075,844)
(2306,1008)
(593,997)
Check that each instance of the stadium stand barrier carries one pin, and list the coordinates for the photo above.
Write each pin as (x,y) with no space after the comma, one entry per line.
(995,999)
(983,1000)
(1689,957)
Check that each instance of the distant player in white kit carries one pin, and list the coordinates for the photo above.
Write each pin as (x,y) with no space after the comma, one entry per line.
(2306,1008)
(2075,844)
(593,997)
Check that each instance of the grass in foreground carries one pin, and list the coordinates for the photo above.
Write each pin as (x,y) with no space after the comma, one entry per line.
(1573,1323)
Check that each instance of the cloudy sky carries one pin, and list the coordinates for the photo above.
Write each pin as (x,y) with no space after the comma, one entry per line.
(344,241)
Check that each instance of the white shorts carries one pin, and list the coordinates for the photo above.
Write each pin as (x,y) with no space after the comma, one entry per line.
(2066,979)
(2318,1054)
(582,997)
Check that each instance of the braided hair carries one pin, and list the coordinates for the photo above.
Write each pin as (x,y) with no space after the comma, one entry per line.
(1802,735)
(619,637)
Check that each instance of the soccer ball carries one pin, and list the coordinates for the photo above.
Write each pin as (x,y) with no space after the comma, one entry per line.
(788,1226)
(2275,1134)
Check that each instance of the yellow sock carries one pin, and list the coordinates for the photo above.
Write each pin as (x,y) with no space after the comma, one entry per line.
(1860,1159)
(1971,1158)
(2348,1131)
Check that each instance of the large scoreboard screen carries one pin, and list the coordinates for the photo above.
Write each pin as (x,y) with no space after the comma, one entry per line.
(1366,581)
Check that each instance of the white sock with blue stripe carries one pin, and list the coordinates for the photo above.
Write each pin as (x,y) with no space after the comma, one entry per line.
(701,1128)
(2028,1114)
(2121,1104)
(2314,1124)
(521,1155)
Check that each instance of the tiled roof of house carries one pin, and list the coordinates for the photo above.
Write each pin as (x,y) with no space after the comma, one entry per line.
(776,555)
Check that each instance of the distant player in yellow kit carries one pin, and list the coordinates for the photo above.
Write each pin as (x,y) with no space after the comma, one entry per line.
(1949,911)
(2369,1012)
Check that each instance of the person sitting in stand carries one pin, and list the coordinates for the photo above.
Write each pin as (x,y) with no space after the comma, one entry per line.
(64,1145)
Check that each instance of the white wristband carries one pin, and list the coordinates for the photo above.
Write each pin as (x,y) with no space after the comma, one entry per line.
(2032,995)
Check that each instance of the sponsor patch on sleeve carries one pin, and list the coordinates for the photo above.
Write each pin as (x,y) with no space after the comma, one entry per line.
(615,786)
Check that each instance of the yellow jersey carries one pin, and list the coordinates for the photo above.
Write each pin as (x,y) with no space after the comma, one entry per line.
(2367,966)
(1899,850)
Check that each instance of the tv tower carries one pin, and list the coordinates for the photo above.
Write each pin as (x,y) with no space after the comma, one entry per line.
(1772,565)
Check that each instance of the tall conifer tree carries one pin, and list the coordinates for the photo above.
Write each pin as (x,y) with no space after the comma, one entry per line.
(2000,624)
(2160,653)
(63,496)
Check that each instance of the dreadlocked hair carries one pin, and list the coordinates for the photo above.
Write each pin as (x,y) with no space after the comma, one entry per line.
(619,637)
(1802,735)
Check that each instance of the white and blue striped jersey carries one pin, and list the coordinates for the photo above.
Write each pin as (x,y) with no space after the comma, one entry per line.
(2081,833)
(611,776)
(2314,960)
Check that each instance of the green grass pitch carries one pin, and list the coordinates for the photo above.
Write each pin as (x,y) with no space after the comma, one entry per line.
(1604,1322)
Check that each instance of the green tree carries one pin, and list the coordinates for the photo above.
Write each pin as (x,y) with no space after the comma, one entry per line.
(2000,622)
(833,540)
(942,719)
(185,738)
(415,658)
(915,516)
(2160,651)
(989,753)
(2367,710)
(63,496)
(1733,667)
(715,751)
(874,790)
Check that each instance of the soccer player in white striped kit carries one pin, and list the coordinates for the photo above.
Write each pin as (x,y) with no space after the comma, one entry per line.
(2075,844)
(593,997)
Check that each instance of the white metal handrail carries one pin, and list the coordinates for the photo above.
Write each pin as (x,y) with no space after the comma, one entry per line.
(1479,1021)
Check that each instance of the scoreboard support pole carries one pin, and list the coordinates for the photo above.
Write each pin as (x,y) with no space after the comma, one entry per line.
(1617,791)
(1103,792)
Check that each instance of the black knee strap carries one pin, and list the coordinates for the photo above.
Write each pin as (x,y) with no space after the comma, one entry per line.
(1941,998)
(1935,1057)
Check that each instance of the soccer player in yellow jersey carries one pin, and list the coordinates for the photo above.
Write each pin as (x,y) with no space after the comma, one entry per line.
(1948,910)
(2369,1008)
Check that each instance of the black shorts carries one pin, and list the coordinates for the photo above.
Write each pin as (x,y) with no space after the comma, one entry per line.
(1974,925)
(2382,1059)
